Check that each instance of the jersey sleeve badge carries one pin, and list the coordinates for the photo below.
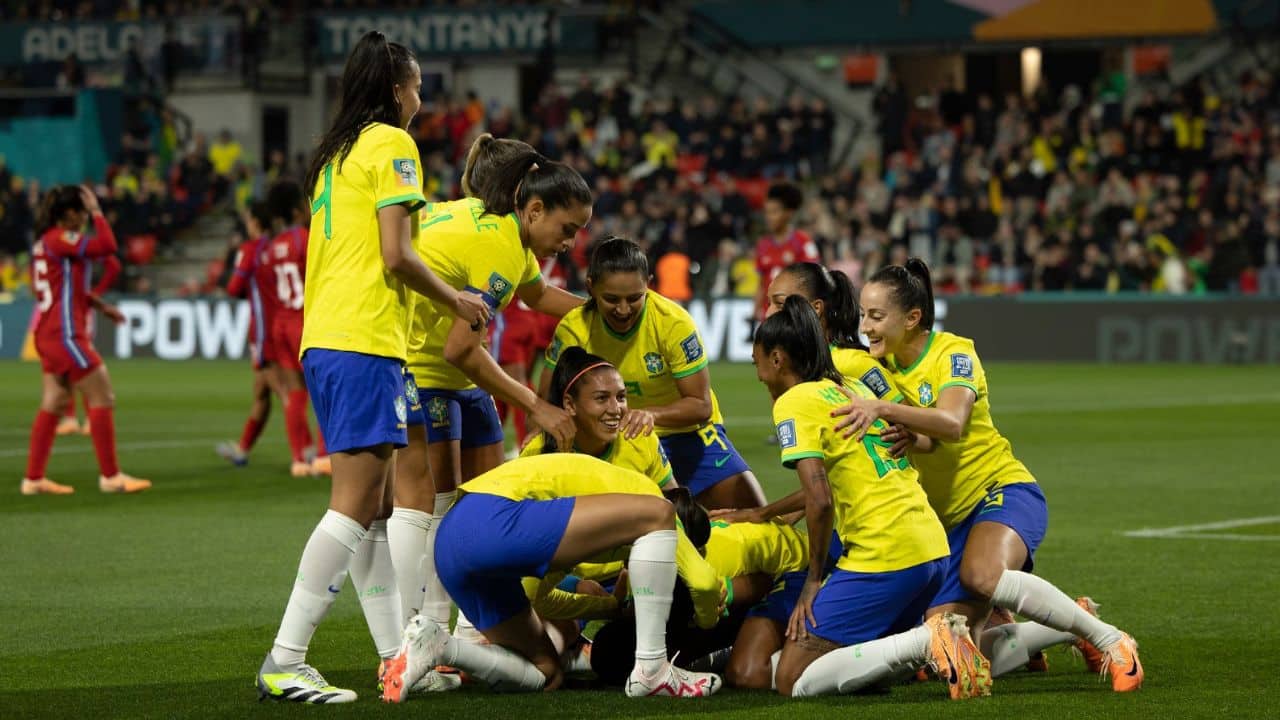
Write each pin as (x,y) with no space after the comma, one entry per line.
(406,172)
(875,381)
(787,434)
(692,348)
(961,366)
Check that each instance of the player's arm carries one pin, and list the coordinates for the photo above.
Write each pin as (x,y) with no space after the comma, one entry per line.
(819,514)
(548,299)
(747,590)
(707,589)
(694,405)
(103,241)
(552,603)
(110,271)
(394,234)
(464,349)
(238,285)
(945,421)
(792,503)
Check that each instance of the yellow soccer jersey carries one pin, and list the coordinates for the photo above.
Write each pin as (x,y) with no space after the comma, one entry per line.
(957,475)
(643,454)
(350,300)
(744,548)
(663,347)
(855,364)
(559,475)
(881,513)
(471,251)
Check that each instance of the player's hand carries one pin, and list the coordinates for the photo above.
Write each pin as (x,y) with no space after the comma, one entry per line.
(621,588)
(90,200)
(732,515)
(472,309)
(900,438)
(796,628)
(859,415)
(111,311)
(636,423)
(556,422)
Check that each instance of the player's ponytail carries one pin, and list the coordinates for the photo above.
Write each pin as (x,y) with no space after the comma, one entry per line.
(839,304)
(573,365)
(556,184)
(285,200)
(494,167)
(56,203)
(615,255)
(375,66)
(795,330)
(693,517)
(260,212)
(910,288)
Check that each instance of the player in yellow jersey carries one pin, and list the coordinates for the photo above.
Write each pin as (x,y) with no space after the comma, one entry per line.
(860,626)
(525,208)
(361,271)
(592,391)
(991,506)
(655,345)
(547,513)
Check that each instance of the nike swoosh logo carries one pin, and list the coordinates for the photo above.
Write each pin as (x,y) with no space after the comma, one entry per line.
(722,461)
(1133,671)
(951,663)
(334,590)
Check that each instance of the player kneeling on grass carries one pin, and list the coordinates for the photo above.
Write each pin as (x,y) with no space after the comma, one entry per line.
(548,513)
(860,627)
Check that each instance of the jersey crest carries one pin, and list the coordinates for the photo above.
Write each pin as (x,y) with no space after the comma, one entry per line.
(653,363)
(926,394)
(438,411)
(553,350)
(411,391)
(402,409)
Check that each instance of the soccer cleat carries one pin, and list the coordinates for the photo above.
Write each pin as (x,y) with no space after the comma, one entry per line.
(956,660)
(1121,660)
(86,428)
(45,486)
(672,681)
(122,483)
(432,682)
(300,469)
(1093,657)
(1000,616)
(232,453)
(322,466)
(423,647)
(67,426)
(306,685)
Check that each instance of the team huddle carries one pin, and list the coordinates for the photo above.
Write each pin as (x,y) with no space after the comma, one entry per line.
(629,504)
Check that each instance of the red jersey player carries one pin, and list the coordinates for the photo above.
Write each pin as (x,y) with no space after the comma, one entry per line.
(282,270)
(244,284)
(69,424)
(60,262)
(784,244)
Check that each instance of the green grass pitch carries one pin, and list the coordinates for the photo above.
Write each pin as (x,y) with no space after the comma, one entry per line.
(162,605)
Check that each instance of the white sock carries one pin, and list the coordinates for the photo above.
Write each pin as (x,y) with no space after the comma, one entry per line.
(1036,599)
(374,578)
(407,531)
(578,659)
(652,573)
(435,602)
(773,669)
(857,666)
(322,571)
(465,630)
(1010,646)
(501,668)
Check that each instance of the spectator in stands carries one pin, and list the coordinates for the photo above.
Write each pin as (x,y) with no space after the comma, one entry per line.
(224,155)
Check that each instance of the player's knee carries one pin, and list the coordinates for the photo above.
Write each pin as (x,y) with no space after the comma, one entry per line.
(657,514)
(747,673)
(550,669)
(980,579)
(786,681)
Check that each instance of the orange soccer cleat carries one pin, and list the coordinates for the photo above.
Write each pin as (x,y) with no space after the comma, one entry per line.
(1121,660)
(322,465)
(67,426)
(300,469)
(956,660)
(1093,657)
(122,483)
(45,486)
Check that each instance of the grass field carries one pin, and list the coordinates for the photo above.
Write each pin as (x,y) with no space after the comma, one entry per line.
(162,605)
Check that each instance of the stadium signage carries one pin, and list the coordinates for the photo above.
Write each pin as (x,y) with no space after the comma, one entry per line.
(178,329)
(444,32)
(102,42)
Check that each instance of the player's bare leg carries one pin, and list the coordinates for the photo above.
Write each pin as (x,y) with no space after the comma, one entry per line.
(739,491)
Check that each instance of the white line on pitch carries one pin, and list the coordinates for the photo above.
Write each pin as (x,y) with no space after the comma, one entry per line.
(1191,531)
(1212,536)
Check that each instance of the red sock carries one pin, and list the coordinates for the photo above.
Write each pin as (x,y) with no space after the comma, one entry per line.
(42,433)
(252,429)
(295,423)
(102,426)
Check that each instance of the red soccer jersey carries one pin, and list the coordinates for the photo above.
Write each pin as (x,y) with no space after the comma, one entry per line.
(244,284)
(61,263)
(282,269)
(773,256)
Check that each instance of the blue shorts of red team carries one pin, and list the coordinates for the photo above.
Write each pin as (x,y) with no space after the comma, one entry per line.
(1020,507)
(487,543)
(467,416)
(854,607)
(702,458)
(781,600)
(359,399)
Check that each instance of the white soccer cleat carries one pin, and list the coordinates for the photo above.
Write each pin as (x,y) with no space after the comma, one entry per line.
(672,681)
(232,453)
(421,651)
(305,685)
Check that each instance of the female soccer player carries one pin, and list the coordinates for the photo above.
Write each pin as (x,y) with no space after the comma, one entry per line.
(525,208)
(244,284)
(860,626)
(60,262)
(654,344)
(990,504)
(591,390)
(548,513)
(70,425)
(362,267)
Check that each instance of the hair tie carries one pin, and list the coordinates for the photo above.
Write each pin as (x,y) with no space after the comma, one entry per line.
(584,371)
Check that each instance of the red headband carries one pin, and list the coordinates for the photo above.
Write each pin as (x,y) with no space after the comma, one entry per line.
(584,371)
